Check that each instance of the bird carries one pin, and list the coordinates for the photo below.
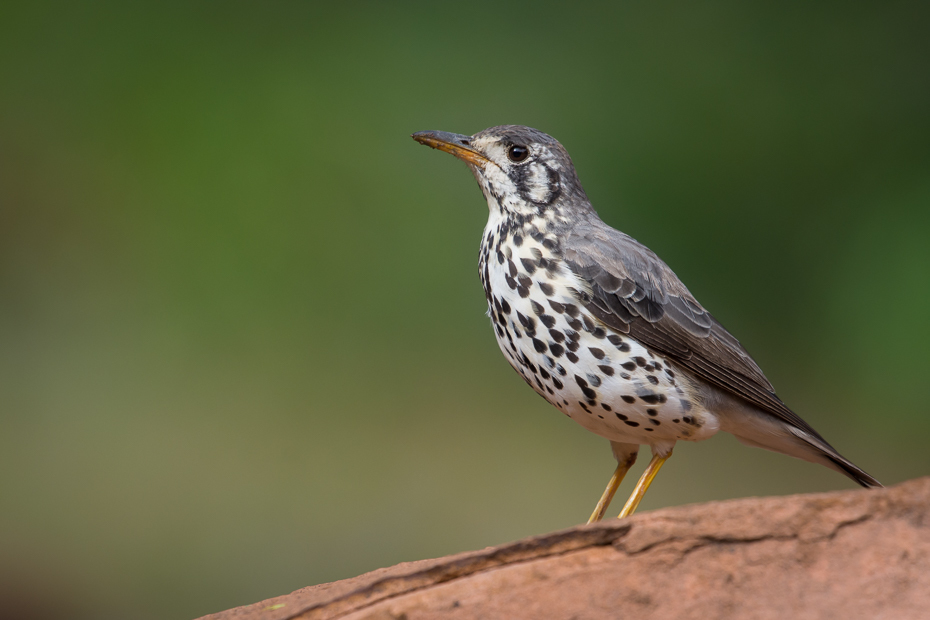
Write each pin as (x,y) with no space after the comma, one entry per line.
(599,326)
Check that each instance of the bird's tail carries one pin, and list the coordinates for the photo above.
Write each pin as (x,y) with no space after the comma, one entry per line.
(836,460)
(754,427)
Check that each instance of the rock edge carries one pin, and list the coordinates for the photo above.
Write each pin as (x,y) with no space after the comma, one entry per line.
(850,554)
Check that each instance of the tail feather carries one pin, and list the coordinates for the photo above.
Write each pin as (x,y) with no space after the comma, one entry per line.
(836,460)
(848,468)
(754,427)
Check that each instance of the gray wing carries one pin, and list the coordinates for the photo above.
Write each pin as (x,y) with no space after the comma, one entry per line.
(634,292)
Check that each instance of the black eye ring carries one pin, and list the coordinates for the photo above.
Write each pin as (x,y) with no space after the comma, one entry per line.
(517,153)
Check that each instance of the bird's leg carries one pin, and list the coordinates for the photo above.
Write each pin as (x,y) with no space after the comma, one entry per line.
(654,465)
(626,455)
(608,494)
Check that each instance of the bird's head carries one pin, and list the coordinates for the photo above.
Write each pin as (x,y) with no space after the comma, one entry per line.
(520,170)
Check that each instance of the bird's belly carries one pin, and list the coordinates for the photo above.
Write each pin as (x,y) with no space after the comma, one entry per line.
(605,381)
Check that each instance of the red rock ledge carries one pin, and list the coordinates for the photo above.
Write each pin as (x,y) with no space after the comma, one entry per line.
(851,554)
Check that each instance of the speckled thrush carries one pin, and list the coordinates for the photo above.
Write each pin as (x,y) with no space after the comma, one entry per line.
(601,328)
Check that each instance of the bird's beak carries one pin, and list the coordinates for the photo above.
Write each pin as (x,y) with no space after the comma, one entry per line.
(453,143)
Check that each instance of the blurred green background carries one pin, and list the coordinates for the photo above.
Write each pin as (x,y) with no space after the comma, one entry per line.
(244,347)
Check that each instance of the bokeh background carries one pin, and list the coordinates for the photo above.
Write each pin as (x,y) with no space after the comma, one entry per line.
(244,347)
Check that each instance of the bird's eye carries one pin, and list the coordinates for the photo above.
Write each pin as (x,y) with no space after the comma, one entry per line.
(517,153)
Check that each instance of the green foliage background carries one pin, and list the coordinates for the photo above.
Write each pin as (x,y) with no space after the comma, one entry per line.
(244,347)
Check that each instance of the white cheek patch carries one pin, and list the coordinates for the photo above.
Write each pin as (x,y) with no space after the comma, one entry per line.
(537,183)
(497,184)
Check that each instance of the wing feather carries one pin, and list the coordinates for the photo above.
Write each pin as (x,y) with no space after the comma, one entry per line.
(634,292)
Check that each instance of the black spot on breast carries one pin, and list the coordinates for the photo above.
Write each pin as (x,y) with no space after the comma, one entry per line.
(557,383)
(574,323)
(542,371)
(631,423)
(598,353)
(523,292)
(549,244)
(583,296)
(628,365)
(537,309)
(556,349)
(650,398)
(628,399)
(614,339)
(599,332)
(518,240)
(588,323)
(607,370)
(640,361)
(547,320)
(594,380)
(654,422)
(621,416)
(539,345)
(572,310)
(510,281)
(529,265)
(572,357)
(652,380)
(556,306)
(652,412)
(556,335)
(606,406)
(583,406)
(560,369)
(547,290)
(572,345)
(512,268)
(524,280)
(589,393)
(505,306)
(624,375)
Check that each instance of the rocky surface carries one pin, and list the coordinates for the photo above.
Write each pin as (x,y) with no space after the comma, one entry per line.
(853,554)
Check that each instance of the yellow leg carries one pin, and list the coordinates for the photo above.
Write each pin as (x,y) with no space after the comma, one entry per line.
(654,465)
(615,480)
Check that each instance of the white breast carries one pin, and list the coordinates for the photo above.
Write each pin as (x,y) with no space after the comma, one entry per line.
(607,382)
